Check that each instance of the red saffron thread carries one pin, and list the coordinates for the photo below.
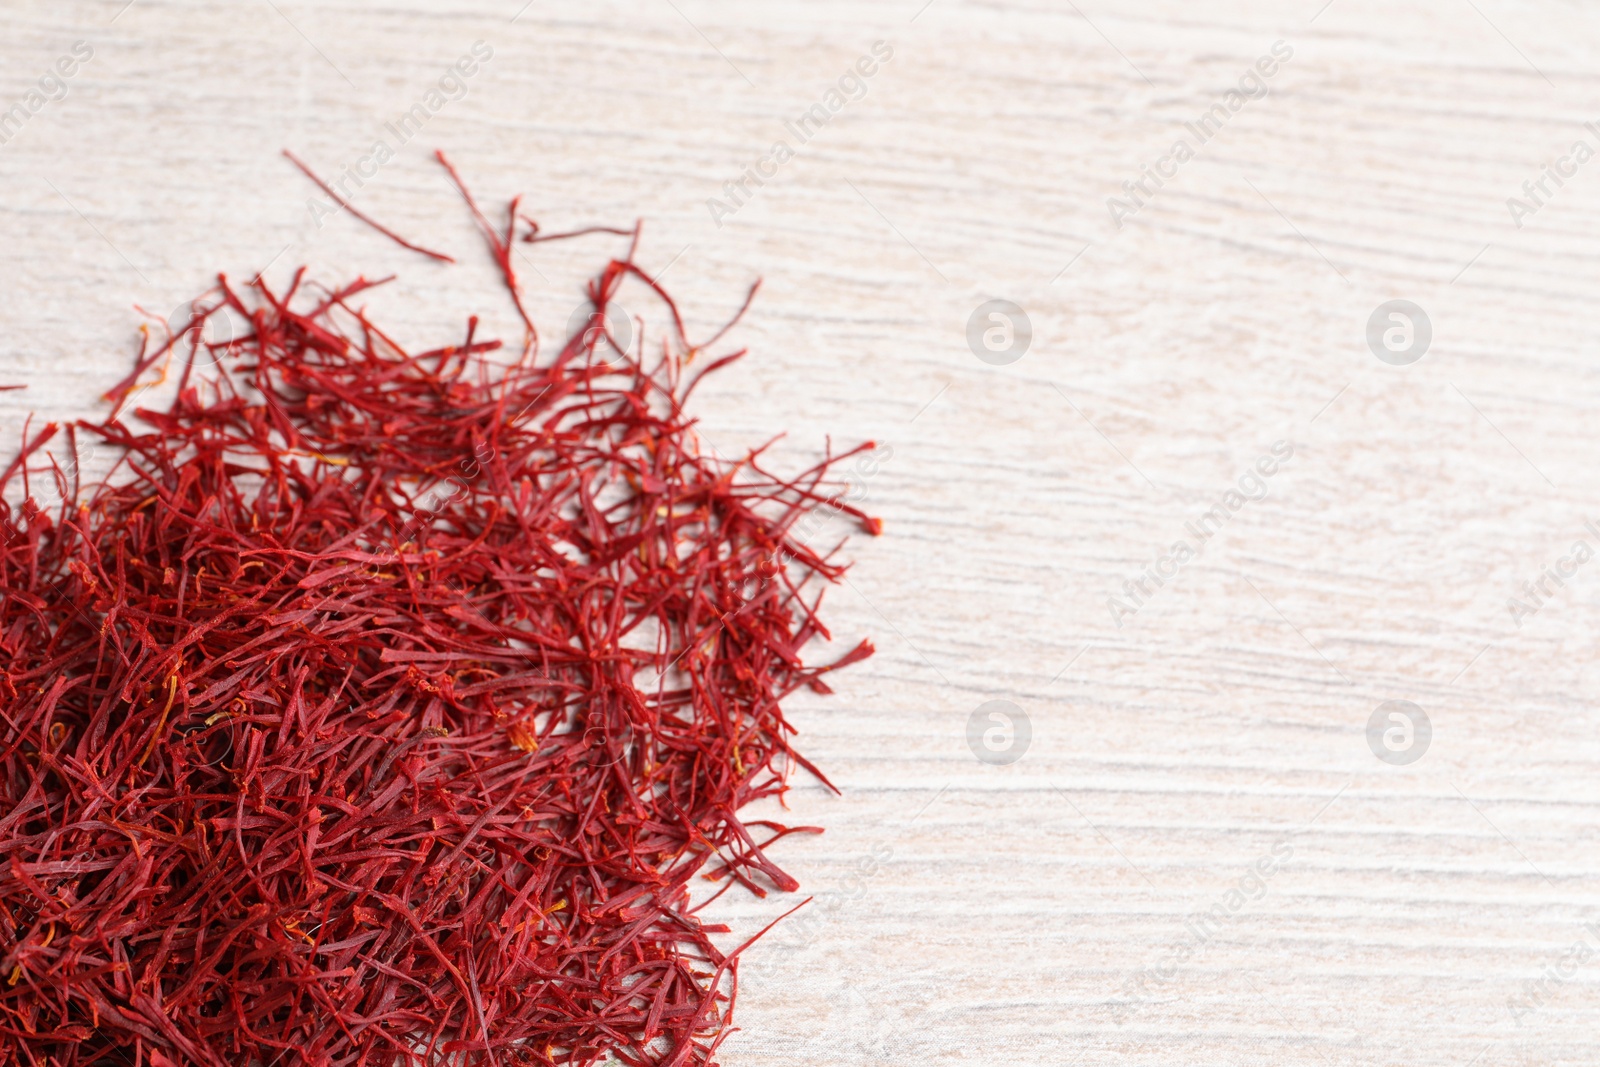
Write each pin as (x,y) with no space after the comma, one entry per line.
(499,248)
(533,236)
(342,202)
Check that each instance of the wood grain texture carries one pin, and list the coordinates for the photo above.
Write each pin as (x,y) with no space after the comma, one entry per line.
(969,913)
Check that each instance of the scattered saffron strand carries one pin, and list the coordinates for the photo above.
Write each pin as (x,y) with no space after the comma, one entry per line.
(9,388)
(534,237)
(342,202)
(499,248)
(749,298)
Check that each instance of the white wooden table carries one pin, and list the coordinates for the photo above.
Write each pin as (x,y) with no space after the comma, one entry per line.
(1033,912)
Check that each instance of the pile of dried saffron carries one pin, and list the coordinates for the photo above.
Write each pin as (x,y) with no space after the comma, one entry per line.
(380,707)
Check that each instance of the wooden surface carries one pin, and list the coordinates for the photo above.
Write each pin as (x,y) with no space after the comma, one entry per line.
(970,913)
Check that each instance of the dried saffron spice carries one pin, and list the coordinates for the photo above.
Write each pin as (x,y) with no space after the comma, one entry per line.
(380,707)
